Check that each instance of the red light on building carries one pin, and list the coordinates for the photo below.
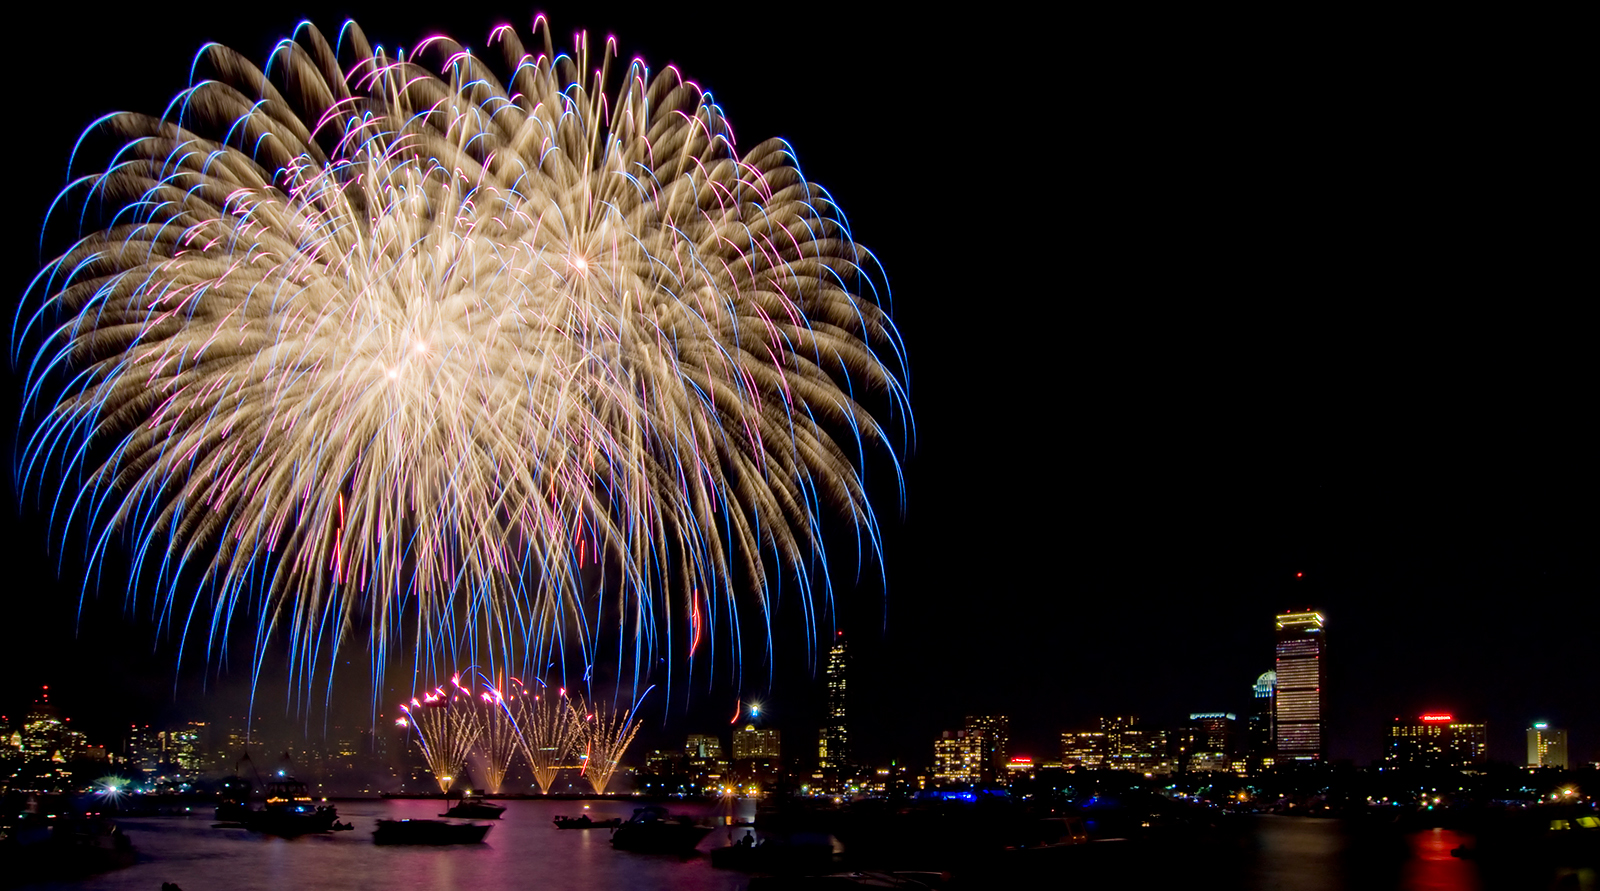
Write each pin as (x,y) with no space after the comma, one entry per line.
(1022,760)
(1436,719)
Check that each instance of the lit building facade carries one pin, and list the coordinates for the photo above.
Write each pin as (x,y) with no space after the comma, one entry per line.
(833,750)
(1261,749)
(1209,742)
(1299,671)
(703,761)
(1119,744)
(996,730)
(1436,740)
(753,742)
(959,757)
(1142,750)
(1085,749)
(183,748)
(1547,746)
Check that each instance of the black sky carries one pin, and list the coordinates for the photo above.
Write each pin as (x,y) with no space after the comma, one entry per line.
(1192,306)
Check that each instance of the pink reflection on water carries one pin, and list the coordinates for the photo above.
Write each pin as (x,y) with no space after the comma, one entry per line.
(1432,867)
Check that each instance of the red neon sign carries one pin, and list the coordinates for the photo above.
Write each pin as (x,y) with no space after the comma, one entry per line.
(1435,719)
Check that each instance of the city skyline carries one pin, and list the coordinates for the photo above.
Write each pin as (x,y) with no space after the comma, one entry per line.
(1259,353)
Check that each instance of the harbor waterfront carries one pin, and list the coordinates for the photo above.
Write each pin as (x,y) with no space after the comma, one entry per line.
(524,849)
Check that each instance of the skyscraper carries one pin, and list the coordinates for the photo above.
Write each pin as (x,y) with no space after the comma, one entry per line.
(833,754)
(1297,720)
(1547,746)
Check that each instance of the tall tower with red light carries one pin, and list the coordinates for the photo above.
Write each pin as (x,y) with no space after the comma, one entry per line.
(1300,669)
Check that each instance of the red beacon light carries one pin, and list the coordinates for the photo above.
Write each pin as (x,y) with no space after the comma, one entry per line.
(1437,719)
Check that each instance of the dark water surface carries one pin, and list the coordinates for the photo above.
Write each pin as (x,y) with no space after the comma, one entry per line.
(524,851)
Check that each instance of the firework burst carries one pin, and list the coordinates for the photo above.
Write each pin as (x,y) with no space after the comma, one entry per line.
(367,343)
(446,723)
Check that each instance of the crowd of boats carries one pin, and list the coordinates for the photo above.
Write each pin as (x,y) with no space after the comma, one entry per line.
(796,842)
(290,811)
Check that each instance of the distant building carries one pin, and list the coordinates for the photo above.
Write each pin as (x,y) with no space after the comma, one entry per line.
(1142,750)
(702,747)
(753,742)
(1436,740)
(1020,766)
(757,759)
(1209,742)
(1300,671)
(1547,746)
(1119,744)
(959,757)
(1085,749)
(703,762)
(183,748)
(996,730)
(833,749)
(1261,747)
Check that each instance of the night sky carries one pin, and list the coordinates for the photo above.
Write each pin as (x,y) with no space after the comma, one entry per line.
(1192,306)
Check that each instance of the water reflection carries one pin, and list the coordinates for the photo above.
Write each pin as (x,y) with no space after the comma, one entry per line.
(525,850)
(1431,866)
(1299,853)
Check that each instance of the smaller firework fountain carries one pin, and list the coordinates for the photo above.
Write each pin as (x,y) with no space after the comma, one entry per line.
(446,722)
(498,738)
(550,730)
(603,736)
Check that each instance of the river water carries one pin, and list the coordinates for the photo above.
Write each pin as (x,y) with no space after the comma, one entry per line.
(524,851)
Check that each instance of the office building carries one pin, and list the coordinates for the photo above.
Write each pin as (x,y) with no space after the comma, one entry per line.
(1142,750)
(1547,746)
(959,757)
(1084,749)
(1209,742)
(833,750)
(1261,748)
(1299,671)
(996,730)
(1436,740)
(1119,744)
(753,742)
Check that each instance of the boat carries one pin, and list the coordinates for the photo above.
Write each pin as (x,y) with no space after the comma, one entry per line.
(900,881)
(51,841)
(651,830)
(775,855)
(475,809)
(233,800)
(1567,835)
(290,811)
(586,822)
(429,832)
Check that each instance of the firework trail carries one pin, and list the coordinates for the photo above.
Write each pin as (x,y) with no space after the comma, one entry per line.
(498,739)
(447,727)
(602,737)
(369,344)
(549,732)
